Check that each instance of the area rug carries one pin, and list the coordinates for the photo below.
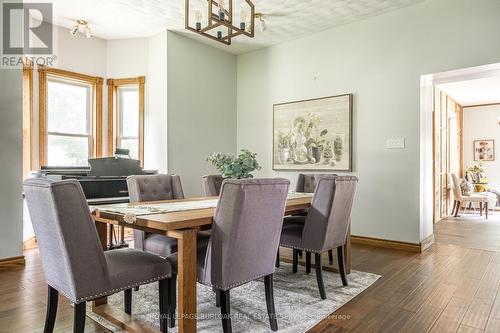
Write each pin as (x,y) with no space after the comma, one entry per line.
(296,297)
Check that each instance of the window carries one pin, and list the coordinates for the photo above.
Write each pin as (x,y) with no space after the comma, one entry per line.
(70,117)
(69,123)
(126,119)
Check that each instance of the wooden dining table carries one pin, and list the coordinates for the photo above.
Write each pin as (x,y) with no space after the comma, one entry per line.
(182,225)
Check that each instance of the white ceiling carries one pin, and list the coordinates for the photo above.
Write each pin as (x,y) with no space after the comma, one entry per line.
(474,92)
(286,19)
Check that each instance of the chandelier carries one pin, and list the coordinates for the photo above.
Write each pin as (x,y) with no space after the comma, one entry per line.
(81,26)
(219,22)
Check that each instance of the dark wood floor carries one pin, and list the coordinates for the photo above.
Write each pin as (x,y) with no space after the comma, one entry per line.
(452,287)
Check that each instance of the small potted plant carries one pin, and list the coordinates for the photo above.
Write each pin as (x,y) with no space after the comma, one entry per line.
(236,167)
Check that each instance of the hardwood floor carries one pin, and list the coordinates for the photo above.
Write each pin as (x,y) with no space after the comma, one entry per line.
(452,287)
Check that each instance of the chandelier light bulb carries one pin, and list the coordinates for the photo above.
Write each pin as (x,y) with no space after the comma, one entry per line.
(222,7)
(263,26)
(243,19)
(198,17)
(74,30)
(88,33)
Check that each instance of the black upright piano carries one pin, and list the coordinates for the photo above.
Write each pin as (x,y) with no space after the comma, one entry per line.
(103,182)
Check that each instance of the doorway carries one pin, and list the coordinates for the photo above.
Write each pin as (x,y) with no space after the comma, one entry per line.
(465,122)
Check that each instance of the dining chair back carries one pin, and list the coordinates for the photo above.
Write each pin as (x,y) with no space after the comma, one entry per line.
(72,255)
(212,185)
(73,258)
(143,188)
(306,183)
(329,216)
(245,232)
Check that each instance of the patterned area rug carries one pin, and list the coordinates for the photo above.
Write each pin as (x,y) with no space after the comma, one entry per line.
(296,297)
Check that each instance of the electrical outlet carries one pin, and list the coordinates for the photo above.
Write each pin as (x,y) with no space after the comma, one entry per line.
(395,143)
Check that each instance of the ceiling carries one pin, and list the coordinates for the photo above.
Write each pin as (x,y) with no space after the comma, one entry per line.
(474,92)
(285,19)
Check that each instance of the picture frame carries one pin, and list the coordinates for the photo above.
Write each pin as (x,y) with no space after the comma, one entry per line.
(484,150)
(314,134)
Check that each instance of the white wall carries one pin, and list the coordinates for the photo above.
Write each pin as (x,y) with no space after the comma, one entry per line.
(379,60)
(11,163)
(125,58)
(201,108)
(155,140)
(482,123)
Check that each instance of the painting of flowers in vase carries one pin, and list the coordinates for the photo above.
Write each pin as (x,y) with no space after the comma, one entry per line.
(313,135)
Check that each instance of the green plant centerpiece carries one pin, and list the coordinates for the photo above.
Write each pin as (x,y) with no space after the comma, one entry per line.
(236,167)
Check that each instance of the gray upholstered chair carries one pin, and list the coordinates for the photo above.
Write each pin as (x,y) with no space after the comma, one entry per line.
(212,185)
(244,240)
(306,183)
(154,188)
(74,262)
(326,225)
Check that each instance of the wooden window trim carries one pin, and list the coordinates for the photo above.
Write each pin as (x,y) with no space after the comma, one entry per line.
(95,82)
(113,85)
(28,163)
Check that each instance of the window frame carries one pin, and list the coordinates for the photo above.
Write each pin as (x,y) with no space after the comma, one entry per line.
(114,130)
(95,132)
(28,162)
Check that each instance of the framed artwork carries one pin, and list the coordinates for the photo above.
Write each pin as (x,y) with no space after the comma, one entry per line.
(484,150)
(313,134)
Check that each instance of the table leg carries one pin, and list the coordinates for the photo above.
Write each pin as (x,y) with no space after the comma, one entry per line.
(186,278)
(347,252)
(101,232)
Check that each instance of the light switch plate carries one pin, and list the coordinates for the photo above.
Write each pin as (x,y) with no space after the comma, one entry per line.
(395,143)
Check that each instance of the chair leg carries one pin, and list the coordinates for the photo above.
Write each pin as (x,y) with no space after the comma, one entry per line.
(340,257)
(172,291)
(127,301)
(295,260)
(225,310)
(454,207)
(486,209)
(268,283)
(308,262)
(163,286)
(217,297)
(319,276)
(458,208)
(79,317)
(278,258)
(330,256)
(50,318)
(480,209)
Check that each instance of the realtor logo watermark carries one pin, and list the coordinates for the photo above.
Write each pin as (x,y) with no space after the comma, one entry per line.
(26,34)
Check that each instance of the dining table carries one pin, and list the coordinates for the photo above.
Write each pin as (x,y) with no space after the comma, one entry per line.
(180,219)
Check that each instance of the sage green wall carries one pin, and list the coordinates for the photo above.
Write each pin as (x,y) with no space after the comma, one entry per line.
(11,210)
(379,60)
(201,113)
